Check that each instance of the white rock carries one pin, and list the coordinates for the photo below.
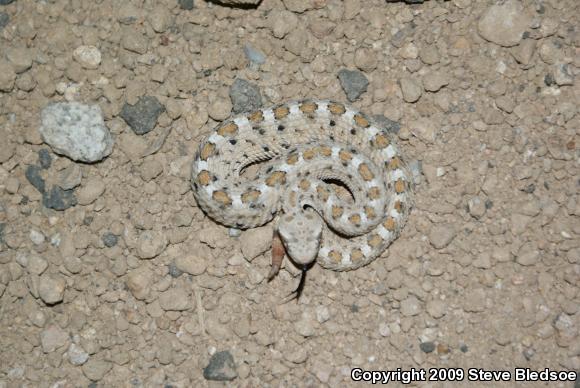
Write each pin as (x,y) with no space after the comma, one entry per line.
(88,57)
(76,130)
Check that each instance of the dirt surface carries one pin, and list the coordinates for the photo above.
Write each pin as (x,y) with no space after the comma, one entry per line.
(131,285)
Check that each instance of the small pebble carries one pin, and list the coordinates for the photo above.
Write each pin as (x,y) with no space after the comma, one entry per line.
(89,57)
(192,264)
(424,128)
(427,347)
(410,306)
(52,338)
(441,235)
(109,239)
(70,177)
(44,158)
(221,367)
(186,4)
(411,89)
(90,191)
(245,96)
(304,327)
(7,76)
(151,244)
(175,299)
(476,207)
(58,199)
(36,265)
(254,55)
(32,174)
(353,82)
(95,369)
(77,355)
(142,117)
(436,308)
(139,282)
(388,124)
(51,289)
(256,241)
(20,58)
(173,271)
(4,20)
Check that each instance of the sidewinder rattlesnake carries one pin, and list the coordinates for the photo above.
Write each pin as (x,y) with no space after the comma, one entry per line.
(300,148)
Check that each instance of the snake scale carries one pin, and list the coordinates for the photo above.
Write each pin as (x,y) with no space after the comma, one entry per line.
(300,148)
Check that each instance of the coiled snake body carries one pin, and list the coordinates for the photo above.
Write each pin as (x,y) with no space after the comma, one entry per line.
(302,147)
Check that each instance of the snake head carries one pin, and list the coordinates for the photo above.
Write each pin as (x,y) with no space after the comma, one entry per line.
(301,233)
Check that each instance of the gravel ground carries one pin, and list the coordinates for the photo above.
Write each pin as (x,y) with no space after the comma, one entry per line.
(110,275)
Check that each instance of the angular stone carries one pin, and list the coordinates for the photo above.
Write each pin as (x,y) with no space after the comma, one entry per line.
(142,117)
(504,23)
(221,367)
(76,130)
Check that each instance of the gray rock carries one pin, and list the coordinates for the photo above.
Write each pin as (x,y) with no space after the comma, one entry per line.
(173,271)
(77,131)
(58,199)
(221,367)
(254,55)
(5,2)
(387,124)
(109,239)
(70,177)
(245,96)
(44,158)
(427,347)
(142,117)
(32,174)
(504,23)
(186,4)
(353,82)
(4,20)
